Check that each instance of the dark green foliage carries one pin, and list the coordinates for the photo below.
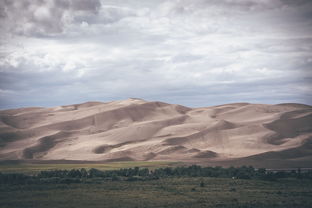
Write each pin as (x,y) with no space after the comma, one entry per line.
(115,178)
(95,173)
(168,192)
(193,186)
(233,189)
(13,178)
(202,184)
(141,174)
(53,173)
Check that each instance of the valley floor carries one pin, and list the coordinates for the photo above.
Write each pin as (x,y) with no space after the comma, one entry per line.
(166,192)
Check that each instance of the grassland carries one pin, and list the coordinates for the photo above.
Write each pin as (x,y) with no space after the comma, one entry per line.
(28,168)
(165,192)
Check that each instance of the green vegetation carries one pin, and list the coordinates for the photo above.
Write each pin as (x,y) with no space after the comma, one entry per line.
(27,168)
(166,192)
(133,174)
(192,186)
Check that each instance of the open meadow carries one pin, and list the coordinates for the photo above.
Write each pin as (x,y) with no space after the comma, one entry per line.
(167,192)
(157,184)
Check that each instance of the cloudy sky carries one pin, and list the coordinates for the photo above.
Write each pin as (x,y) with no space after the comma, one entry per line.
(190,52)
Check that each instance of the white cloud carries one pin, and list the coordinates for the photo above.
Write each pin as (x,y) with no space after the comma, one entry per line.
(43,17)
(224,51)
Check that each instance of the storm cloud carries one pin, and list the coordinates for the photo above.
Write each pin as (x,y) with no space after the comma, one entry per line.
(43,17)
(191,52)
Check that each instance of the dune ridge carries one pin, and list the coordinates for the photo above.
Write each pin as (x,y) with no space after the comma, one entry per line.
(135,129)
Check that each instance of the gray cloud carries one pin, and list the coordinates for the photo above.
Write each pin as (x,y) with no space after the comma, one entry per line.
(192,52)
(42,17)
(257,5)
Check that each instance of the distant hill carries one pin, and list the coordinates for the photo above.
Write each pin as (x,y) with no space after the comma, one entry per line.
(135,129)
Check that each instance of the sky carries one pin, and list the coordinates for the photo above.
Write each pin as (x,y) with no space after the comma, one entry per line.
(189,52)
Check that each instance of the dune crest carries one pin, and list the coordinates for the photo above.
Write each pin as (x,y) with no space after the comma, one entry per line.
(135,129)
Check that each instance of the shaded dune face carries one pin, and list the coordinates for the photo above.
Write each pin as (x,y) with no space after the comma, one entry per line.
(44,144)
(135,129)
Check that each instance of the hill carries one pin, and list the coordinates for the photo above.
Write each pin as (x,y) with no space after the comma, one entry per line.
(138,130)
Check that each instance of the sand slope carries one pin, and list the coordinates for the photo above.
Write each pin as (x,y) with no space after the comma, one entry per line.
(135,129)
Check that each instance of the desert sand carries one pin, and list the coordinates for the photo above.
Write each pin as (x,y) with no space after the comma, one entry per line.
(135,129)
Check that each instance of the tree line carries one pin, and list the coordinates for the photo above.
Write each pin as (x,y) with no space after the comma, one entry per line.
(136,173)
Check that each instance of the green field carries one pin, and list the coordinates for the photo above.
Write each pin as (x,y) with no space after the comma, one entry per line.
(166,192)
(155,189)
(28,168)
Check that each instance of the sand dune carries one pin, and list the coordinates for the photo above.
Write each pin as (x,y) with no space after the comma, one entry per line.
(135,129)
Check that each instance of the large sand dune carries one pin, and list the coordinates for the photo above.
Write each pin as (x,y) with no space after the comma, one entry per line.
(135,129)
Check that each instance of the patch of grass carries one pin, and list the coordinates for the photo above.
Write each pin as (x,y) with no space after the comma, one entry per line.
(35,168)
(170,192)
